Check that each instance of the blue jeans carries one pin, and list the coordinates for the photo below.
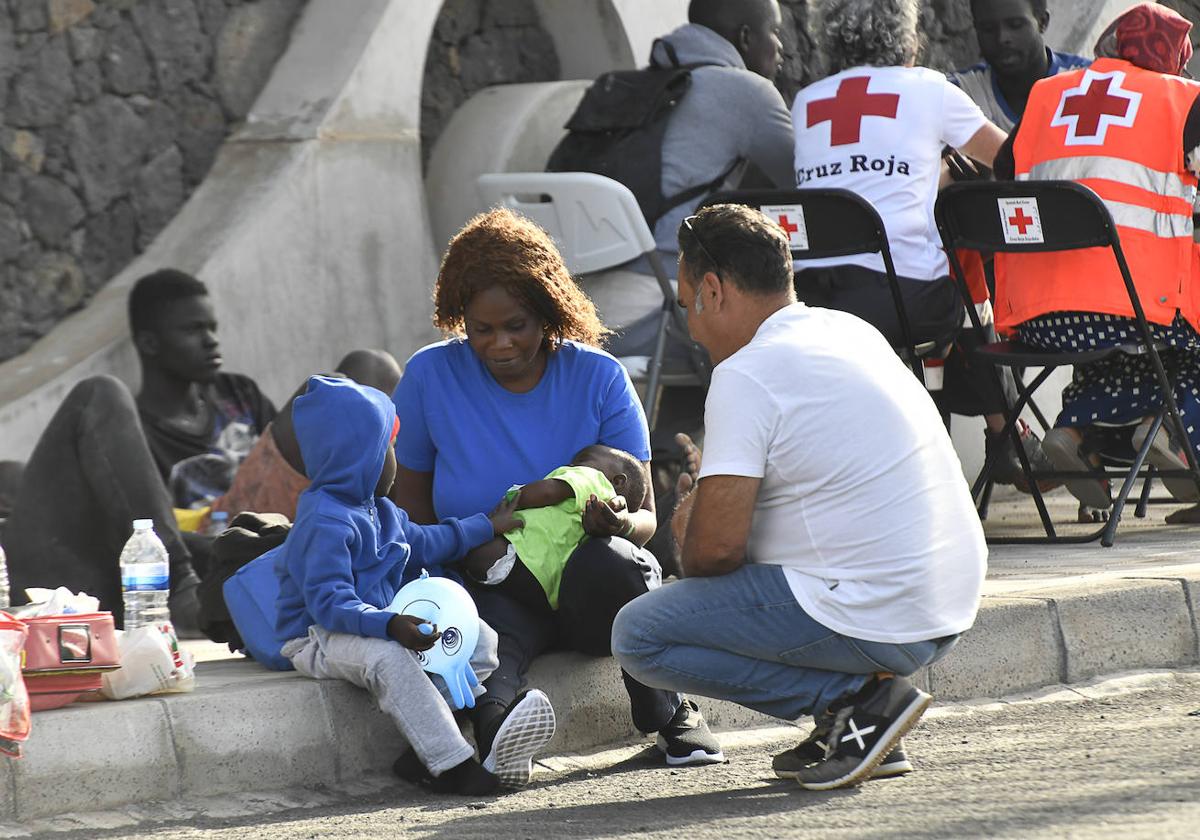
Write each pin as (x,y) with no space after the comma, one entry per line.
(743,637)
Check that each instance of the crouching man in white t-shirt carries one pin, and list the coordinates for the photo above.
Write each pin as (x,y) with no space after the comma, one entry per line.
(830,548)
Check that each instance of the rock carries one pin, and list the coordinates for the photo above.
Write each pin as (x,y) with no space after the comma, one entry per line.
(126,66)
(201,130)
(52,209)
(212,15)
(42,93)
(509,13)
(158,194)
(89,81)
(25,147)
(171,31)
(29,15)
(490,58)
(109,242)
(10,230)
(8,56)
(87,42)
(11,188)
(58,284)
(64,14)
(251,41)
(107,143)
(162,123)
(458,19)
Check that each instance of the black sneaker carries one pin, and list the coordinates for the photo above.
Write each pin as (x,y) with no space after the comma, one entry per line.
(789,763)
(527,727)
(866,728)
(687,740)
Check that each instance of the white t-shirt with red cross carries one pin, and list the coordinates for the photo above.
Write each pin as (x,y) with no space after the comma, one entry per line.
(879,132)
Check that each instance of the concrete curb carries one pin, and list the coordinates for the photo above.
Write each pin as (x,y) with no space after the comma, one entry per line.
(249,729)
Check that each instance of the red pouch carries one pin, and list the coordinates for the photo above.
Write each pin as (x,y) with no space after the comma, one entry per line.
(65,656)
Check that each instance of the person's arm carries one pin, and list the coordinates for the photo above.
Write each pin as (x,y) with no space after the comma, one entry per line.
(412,492)
(717,517)
(545,492)
(770,142)
(984,144)
(451,539)
(1005,166)
(623,426)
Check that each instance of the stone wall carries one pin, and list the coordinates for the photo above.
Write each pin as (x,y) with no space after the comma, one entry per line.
(111,112)
(477,43)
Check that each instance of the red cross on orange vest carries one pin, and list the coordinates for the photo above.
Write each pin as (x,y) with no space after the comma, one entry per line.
(1020,221)
(847,109)
(1093,104)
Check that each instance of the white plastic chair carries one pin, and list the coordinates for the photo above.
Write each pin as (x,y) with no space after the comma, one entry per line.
(597,225)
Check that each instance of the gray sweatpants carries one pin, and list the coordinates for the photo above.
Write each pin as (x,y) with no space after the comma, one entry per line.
(394,677)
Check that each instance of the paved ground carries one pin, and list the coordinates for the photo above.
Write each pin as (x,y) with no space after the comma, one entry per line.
(1114,758)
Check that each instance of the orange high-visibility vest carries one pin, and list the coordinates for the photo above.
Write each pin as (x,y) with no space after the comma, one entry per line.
(1118,129)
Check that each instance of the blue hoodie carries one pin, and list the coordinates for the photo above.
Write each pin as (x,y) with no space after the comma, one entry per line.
(345,557)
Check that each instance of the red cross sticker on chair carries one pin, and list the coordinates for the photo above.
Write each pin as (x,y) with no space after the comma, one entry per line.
(1096,105)
(790,217)
(1021,220)
(847,109)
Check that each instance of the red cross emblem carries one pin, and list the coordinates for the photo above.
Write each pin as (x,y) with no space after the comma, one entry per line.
(790,217)
(786,224)
(848,108)
(1097,104)
(1020,221)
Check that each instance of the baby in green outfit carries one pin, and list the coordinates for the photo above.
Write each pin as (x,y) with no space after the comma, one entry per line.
(528,563)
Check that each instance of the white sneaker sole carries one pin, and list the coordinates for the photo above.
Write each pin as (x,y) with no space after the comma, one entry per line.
(1162,457)
(865,769)
(695,758)
(527,729)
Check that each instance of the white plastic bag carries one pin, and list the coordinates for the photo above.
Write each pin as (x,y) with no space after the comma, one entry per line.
(60,601)
(151,663)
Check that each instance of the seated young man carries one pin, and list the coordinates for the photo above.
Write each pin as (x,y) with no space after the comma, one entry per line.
(105,458)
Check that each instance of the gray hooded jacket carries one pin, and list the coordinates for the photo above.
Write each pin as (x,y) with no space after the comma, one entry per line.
(730,113)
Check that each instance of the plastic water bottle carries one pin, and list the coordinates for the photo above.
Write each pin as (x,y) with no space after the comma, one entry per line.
(218,521)
(145,577)
(5,601)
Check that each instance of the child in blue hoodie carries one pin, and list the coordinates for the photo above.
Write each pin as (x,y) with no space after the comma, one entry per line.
(348,554)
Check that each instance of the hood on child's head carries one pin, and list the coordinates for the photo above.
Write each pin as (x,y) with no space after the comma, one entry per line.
(344,430)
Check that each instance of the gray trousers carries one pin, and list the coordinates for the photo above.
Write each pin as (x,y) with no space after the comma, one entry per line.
(404,692)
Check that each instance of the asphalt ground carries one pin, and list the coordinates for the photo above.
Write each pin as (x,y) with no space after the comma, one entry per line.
(1112,758)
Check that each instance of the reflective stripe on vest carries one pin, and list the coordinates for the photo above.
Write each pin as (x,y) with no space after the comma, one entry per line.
(1167,184)
(1138,217)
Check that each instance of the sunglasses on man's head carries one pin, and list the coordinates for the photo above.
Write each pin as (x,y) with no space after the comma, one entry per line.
(687,223)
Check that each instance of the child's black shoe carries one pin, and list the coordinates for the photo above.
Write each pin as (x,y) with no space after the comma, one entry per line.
(466,779)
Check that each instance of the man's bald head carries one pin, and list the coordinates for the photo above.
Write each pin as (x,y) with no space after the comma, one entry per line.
(752,26)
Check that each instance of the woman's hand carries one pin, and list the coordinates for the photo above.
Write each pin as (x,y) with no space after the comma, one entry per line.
(600,519)
(405,630)
(504,518)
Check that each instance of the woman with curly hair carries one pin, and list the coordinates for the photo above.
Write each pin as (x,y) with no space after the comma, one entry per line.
(515,391)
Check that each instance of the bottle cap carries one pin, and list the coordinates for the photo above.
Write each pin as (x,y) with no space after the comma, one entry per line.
(143,524)
(219,516)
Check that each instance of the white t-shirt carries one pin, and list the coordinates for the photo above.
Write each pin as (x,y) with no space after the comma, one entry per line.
(879,132)
(862,501)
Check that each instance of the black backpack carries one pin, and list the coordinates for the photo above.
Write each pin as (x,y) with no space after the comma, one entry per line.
(617,131)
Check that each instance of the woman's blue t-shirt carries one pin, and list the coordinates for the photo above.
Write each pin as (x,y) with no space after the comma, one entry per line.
(479,439)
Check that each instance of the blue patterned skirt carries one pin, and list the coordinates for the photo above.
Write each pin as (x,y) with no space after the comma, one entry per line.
(1120,390)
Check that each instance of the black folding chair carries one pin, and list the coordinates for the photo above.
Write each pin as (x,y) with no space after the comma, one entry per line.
(835,223)
(972,216)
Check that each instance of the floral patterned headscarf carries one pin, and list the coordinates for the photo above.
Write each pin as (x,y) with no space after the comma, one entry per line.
(1151,36)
